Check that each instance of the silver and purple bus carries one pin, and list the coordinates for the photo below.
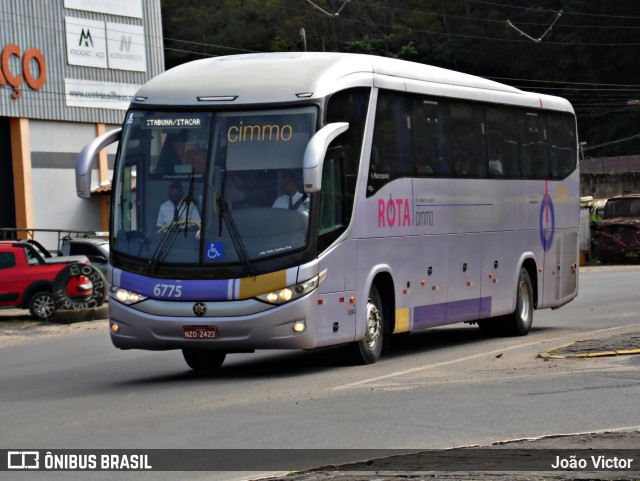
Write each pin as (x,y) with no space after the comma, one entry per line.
(302,200)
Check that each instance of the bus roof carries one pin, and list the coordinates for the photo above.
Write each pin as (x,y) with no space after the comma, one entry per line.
(291,76)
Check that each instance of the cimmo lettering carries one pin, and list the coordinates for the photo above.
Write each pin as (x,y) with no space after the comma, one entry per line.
(259,133)
(14,79)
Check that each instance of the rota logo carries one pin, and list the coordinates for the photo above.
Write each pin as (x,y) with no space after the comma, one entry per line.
(547,222)
(394,213)
(31,58)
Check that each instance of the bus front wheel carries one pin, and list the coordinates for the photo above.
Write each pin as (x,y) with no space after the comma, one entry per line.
(368,350)
(203,360)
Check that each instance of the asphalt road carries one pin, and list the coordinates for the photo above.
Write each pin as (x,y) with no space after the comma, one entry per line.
(445,388)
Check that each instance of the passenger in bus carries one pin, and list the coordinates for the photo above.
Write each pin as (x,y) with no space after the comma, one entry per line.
(291,198)
(175,209)
(173,152)
(461,163)
(495,168)
(197,159)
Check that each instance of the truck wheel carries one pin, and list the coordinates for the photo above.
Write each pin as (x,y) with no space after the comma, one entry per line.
(42,306)
(203,360)
(368,350)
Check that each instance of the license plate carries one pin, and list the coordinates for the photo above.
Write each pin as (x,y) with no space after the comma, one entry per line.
(200,332)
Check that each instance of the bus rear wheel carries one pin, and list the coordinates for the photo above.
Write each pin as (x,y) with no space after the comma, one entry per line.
(368,350)
(519,321)
(203,360)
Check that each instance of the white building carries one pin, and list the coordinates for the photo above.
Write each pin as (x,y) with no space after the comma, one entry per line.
(67,71)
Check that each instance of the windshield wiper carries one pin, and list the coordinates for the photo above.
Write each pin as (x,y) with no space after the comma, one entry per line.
(236,238)
(188,200)
(225,216)
(169,236)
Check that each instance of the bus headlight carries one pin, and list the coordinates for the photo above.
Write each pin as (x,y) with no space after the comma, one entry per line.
(125,296)
(290,293)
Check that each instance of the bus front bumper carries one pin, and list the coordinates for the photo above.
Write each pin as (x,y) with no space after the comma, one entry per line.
(239,326)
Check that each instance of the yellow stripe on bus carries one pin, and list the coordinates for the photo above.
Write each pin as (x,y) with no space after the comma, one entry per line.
(253,286)
(403,319)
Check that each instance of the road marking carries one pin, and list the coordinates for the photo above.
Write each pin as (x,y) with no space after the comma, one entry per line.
(463,359)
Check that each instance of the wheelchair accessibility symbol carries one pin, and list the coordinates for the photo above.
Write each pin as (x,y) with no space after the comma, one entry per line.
(214,250)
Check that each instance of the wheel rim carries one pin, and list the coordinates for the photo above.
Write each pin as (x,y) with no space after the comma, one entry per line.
(374,324)
(44,306)
(525,302)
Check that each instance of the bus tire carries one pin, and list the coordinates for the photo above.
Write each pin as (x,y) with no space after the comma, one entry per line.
(203,360)
(42,306)
(368,350)
(519,322)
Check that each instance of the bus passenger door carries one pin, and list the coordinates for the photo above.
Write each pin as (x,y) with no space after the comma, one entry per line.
(463,285)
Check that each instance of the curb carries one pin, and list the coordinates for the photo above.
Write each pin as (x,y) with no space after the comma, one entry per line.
(605,351)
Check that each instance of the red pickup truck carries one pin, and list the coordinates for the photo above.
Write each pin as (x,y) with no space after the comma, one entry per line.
(27,280)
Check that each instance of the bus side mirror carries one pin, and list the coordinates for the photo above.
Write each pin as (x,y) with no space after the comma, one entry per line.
(84,162)
(314,155)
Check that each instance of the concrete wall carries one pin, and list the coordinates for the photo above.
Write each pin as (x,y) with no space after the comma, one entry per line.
(54,147)
(603,186)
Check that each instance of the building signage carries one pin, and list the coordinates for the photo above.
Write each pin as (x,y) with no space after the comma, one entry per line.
(125,8)
(17,68)
(126,47)
(101,95)
(86,42)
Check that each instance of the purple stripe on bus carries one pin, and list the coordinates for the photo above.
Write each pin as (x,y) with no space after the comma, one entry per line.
(170,289)
(450,312)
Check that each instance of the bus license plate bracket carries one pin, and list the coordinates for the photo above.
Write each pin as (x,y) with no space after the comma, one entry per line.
(200,332)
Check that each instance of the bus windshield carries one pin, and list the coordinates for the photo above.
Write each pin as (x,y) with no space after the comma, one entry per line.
(212,187)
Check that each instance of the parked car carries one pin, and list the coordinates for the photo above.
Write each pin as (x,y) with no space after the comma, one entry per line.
(617,235)
(53,258)
(96,250)
(27,280)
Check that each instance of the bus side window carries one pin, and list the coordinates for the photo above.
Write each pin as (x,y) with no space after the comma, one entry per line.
(331,211)
(562,145)
(467,139)
(392,154)
(534,153)
(351,106)
(428,138)
(502,142)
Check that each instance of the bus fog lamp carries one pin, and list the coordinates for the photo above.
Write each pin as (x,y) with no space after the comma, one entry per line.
(299,327)
(114,327)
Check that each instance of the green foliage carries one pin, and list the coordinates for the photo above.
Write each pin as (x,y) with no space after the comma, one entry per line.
(589,56)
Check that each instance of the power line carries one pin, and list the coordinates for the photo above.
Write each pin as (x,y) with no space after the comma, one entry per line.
(539,39)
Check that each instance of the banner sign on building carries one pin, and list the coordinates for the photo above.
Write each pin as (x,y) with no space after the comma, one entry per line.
(86,42)
(126,47)
(101,95)
(125,8)
(77,60)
